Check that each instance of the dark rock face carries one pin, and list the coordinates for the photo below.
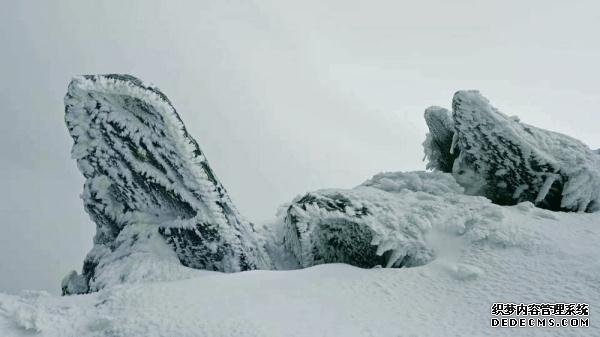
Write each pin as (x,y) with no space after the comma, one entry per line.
(143,168)
(507,161)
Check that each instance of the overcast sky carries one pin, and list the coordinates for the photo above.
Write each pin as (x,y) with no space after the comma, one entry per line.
(283,97)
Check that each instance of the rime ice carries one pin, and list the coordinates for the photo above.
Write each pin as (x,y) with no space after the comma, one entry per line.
(507,161)
(145,177)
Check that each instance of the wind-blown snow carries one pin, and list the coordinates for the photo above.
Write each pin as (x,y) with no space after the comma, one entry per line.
(555,260)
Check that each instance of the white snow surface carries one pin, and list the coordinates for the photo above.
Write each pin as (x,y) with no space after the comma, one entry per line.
(140,255)
(553,257)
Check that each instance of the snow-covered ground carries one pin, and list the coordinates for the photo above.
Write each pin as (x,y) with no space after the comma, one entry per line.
(556,259)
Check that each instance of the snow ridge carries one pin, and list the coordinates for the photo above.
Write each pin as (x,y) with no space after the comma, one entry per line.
(142,169)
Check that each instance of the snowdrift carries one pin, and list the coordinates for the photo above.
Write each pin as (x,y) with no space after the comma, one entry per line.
(551,257)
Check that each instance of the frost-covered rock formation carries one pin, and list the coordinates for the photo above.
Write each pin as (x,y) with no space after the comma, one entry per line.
(159,208)
(386,221)
(497,156)
(149,189)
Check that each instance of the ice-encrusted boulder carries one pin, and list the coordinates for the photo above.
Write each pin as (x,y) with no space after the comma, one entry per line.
(507,161)
(149,189)
(386,221)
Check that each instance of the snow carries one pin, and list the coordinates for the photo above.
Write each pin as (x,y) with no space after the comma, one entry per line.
(430,182)
(168,236)
(556,261)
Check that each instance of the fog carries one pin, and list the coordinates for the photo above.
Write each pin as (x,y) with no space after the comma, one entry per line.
(283,97)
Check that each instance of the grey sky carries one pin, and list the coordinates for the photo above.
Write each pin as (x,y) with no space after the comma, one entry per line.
(283,97)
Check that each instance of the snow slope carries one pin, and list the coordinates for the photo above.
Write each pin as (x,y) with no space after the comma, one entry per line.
(555,261)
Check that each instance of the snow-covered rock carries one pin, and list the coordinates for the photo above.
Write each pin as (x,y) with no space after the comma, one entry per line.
(147,183)
(387,221)
(508,161)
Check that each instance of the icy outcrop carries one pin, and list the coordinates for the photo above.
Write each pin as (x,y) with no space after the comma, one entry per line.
(438,145)
(385,221)
(499,157)
(147,183)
